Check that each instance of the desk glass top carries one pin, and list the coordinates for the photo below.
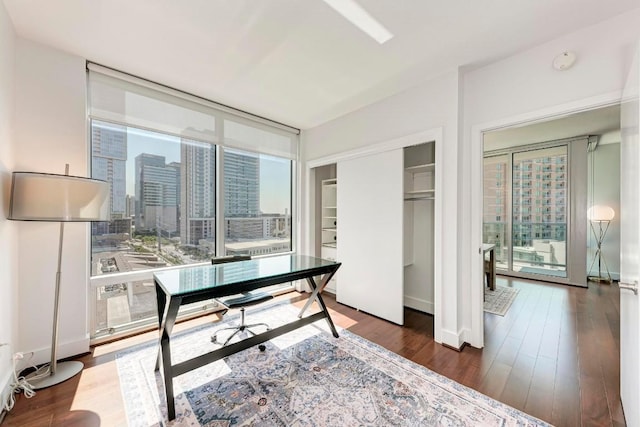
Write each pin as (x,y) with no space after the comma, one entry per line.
(193,279)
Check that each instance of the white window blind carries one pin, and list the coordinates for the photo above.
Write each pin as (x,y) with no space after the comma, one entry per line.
(121,98)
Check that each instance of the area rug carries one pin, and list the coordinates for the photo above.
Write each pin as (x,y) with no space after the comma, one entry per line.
(304,378)
(499,300)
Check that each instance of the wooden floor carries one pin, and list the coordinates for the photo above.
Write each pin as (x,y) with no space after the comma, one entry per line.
(554,355)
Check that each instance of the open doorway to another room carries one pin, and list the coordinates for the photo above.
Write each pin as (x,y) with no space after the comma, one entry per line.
(539,182)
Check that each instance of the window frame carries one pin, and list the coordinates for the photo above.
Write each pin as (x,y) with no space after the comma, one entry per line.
(102,335)
(223,113)
(574,192)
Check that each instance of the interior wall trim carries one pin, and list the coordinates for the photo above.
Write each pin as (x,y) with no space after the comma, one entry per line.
(380,147)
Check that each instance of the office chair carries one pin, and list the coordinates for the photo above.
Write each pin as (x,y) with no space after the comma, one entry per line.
(242,301)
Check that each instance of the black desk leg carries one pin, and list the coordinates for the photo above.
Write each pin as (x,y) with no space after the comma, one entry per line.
(316,292)
(161,299)
(168,321)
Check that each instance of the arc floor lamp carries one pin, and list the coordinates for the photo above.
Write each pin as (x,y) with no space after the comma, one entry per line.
(57,198)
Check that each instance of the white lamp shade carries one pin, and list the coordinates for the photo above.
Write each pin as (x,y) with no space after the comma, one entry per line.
(50,197)
(600,213)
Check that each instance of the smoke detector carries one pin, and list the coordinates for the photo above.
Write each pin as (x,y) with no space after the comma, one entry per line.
(564,61)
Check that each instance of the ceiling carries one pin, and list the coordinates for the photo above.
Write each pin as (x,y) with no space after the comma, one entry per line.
(602,121)
(297,61)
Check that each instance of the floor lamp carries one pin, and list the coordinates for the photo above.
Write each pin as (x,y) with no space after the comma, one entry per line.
(600,217)
(57,198)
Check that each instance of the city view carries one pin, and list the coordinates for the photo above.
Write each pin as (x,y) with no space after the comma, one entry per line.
(163,210)
(536,182)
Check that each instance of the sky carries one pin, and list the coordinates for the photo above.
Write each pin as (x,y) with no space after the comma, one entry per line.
(275,173)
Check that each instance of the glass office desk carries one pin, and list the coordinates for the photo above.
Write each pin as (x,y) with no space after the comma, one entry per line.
(193,284)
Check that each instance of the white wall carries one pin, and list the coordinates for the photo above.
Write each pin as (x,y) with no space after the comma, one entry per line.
(606,191)
(517,89)
(50,131)
(8,242)
(525,87)
(527,82)
(431,105)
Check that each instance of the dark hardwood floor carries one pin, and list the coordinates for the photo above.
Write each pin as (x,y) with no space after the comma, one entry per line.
(554,355)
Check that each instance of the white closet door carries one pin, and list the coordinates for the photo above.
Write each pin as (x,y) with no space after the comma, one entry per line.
(370,234)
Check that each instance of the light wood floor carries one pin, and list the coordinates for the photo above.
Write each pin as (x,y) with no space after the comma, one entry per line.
(554,355)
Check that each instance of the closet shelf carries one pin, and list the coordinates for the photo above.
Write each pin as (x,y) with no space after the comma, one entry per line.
(329,229)
(419,192)
(411,199)
(330,245)
(429,167)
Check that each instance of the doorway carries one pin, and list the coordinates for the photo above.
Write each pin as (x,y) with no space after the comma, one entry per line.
(539,180)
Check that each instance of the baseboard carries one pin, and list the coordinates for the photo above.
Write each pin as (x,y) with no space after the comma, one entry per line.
(418,304)
(465,336)
(329,290)
(66,349)
(5,390)
(452,339)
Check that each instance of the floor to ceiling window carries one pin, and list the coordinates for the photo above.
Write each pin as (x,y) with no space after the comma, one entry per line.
(528,195)
(188,182)
(496,214)
(539,216)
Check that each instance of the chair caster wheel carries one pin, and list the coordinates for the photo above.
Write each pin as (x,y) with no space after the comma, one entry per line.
(262,347)
(214,339)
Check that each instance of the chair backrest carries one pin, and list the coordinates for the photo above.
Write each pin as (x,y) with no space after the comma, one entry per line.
(230,258)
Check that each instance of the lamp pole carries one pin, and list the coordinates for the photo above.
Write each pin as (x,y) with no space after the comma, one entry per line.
(54,339)
(70,368)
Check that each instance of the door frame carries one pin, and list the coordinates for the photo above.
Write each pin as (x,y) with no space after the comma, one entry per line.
(476,187)
(436,135)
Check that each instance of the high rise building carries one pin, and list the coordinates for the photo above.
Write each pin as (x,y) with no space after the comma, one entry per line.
(241,185)
(539,198)
(495,212)
(197,192)
(156,187)
(108,163)
(242,197)
(537,211)
(109,158)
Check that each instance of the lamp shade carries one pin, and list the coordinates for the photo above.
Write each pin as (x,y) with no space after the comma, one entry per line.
(600,213)
(50,197)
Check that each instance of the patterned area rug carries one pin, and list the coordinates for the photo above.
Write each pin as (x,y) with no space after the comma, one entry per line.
(304,378)
(499,300)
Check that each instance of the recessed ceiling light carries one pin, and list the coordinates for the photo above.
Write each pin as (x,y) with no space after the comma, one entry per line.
(359,17)
(564,61)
